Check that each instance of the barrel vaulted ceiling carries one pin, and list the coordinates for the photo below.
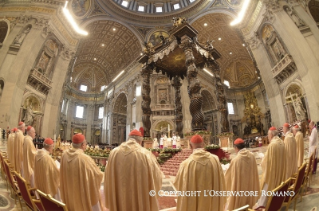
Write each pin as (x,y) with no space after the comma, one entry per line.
(236,64)
(108,49)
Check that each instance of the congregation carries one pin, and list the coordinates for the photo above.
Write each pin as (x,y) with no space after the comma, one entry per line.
(132,172)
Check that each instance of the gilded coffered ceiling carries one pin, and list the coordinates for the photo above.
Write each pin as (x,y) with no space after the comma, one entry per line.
(108,49)
(236,64)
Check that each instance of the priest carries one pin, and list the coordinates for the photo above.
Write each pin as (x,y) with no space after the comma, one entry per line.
(46,171)
(242,175)
(313,144)
(200,172)
(10,143)
(300,145)
(80,178)
(29,153)
(291,151)
(17,159)
(273,166)
(131,173)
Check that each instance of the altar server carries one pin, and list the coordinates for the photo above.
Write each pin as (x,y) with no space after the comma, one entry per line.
(238,179)
(46,171)
(201,171)
(300,145)
(29,152)
(131,173)
(17,159)
(273,166)
(174,139)
(161,142)
(80,178)
(313,144)
(291,151)
(10,143)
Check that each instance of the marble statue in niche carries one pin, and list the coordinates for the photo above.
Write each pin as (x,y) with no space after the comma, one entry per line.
(43,62)
(18,40)
(300,110)
(28,116)
(294,17)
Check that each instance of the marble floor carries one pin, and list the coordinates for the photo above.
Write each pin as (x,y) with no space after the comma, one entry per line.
(310,201)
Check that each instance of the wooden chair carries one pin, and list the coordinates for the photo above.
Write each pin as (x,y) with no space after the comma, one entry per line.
(3,157)
(26,191)
(295,187)
(307,174)
(275,202)
(51,204)
(313,163)
(243,208)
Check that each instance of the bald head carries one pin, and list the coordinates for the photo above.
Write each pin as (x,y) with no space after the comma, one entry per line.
(31,132)
(22,127)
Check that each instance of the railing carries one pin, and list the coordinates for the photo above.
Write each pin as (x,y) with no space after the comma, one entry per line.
(284,68)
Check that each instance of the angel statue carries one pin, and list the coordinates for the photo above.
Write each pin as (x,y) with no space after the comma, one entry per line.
(300,110)
(28,115)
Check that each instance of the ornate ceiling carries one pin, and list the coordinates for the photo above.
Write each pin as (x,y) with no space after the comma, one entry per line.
(108,49)
(120,105)
(235,62)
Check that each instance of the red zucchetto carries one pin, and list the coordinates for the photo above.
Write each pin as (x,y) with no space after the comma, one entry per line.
(239,141)
(135,133)
(21,123)
(142,131)
(272,128)
(29,128)
(78,138)
(286,125)
(15,129)
(48,141)
(197,139)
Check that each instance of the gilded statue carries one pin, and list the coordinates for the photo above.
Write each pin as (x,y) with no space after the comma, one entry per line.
(178,21)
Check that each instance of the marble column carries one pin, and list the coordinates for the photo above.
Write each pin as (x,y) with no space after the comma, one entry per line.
(194,88)
(178,106)
(146,90)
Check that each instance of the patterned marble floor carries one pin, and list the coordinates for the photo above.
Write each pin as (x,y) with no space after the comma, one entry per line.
(310,201)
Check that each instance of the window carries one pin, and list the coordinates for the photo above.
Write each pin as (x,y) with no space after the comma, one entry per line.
(176,6)
(103,88)
(79,111)
(226,83)
(101,111)
(159,9)
(141,8)
(138,91)
(230,108)
(83,88)
(62,106)
(125,3)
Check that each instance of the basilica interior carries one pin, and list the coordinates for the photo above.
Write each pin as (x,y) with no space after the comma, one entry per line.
(106,67)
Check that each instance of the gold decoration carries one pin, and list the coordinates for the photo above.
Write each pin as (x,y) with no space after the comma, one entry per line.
(252,113)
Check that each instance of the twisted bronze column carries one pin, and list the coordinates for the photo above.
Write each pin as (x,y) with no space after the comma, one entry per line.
(146,102)
(178,106)
(193,85)
(221,98)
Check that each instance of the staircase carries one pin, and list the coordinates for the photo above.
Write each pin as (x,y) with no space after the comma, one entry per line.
(171,166)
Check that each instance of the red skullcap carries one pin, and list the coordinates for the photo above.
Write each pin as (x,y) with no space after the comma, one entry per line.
(239,141)
(286,125)
(15,129)
(272,128)
(48,141)
(197,139)
(135,133)
(309,120)
(78,138)
(296,126)
(29,128)
(21,123)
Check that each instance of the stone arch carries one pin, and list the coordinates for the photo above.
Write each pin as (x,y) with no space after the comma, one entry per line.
(208,101)
(295,102)
(155,133)
(313,7)
(4,30)
(154,34)
(215,10)
(119,116)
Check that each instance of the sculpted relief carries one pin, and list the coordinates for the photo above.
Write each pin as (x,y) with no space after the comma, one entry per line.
(294,17)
